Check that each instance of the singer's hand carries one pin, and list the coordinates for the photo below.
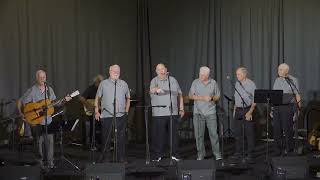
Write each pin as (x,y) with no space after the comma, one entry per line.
(207,98)
(248,116)
(159,90)
(67,98)
(181,112)
(97,116)
(23,117)
(153,90)
(156,90)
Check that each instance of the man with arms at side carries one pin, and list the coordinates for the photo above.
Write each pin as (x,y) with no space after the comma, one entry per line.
(105,100)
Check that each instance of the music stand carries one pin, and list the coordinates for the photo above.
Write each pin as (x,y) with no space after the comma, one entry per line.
(63,125)
(262,95)
(268,97)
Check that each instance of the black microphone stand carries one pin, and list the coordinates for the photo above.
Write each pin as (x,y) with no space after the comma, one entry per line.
(228,132)
(93,147)
(297,108)
(171,120)
(109,135)
(45,139)
(243,119)
(146,118)
(115,144)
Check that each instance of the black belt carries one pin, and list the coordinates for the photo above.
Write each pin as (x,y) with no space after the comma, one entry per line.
(240,108)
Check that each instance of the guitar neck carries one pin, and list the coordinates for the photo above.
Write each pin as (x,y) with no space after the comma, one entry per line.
(56,103)
(75,93)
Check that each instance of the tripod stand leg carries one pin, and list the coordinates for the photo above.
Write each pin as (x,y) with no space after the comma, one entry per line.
(62,157)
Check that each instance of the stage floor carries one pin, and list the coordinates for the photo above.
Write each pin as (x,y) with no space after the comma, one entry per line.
(136,167)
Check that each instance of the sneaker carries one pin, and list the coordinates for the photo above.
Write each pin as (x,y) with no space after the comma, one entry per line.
(200,158)
(157,159)
(218,158)
(174,158)
(51,165)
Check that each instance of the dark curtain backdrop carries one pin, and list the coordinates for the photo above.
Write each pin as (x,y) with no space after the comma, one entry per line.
(75,40)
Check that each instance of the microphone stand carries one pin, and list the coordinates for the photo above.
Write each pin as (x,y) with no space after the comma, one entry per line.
(171,119)
(45,139)
(228,131)
(115,144)
(108,137)
(146,118)
(93,147)
(296,117)
(243,119)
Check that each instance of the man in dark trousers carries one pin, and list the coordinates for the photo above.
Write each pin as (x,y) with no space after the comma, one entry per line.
(283,114)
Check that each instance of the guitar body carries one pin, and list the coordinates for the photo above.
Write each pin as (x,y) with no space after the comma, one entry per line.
(89,112)
(34,113)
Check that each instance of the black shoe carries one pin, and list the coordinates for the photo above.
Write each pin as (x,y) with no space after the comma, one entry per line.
(157,159)
(235,156)
(249,159)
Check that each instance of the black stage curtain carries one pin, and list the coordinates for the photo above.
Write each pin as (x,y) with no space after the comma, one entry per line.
(77,39)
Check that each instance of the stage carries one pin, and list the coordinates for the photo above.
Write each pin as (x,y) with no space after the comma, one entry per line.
(136,167)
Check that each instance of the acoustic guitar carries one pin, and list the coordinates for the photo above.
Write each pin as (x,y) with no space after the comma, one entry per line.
(35,112)
(89,111)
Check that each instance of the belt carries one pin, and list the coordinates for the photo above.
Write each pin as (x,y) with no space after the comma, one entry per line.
(240,108)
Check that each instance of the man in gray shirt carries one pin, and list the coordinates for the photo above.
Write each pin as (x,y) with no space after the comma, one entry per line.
(283,114)
(35,94)
(160,96)
(105,100)
(243,109)
(205,93)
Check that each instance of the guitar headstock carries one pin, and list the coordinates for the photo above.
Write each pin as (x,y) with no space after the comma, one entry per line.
(74,94)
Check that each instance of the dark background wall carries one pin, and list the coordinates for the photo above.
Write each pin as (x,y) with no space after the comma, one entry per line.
(77,39)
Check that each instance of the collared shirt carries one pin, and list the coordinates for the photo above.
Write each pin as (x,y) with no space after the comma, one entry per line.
(164,98)
(198,88)
(34,94)
(106,93)
(246,91)
(282,84)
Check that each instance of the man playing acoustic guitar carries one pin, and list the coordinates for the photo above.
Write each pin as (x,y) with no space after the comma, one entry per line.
(33,95)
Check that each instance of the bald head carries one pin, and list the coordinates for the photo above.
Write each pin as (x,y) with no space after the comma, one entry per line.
(114,72)
(161,70)
(283,70)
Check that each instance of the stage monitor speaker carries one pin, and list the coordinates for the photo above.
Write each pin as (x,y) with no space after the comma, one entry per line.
(196,170)
(290,167)
(27,172)
(105,171)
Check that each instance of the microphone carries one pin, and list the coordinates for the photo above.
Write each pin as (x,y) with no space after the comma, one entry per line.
(287,78)
(46,83)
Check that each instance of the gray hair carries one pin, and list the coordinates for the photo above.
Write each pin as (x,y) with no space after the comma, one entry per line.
(205,69)
(284,66)
(114,66)
(243,70)
(40,71)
